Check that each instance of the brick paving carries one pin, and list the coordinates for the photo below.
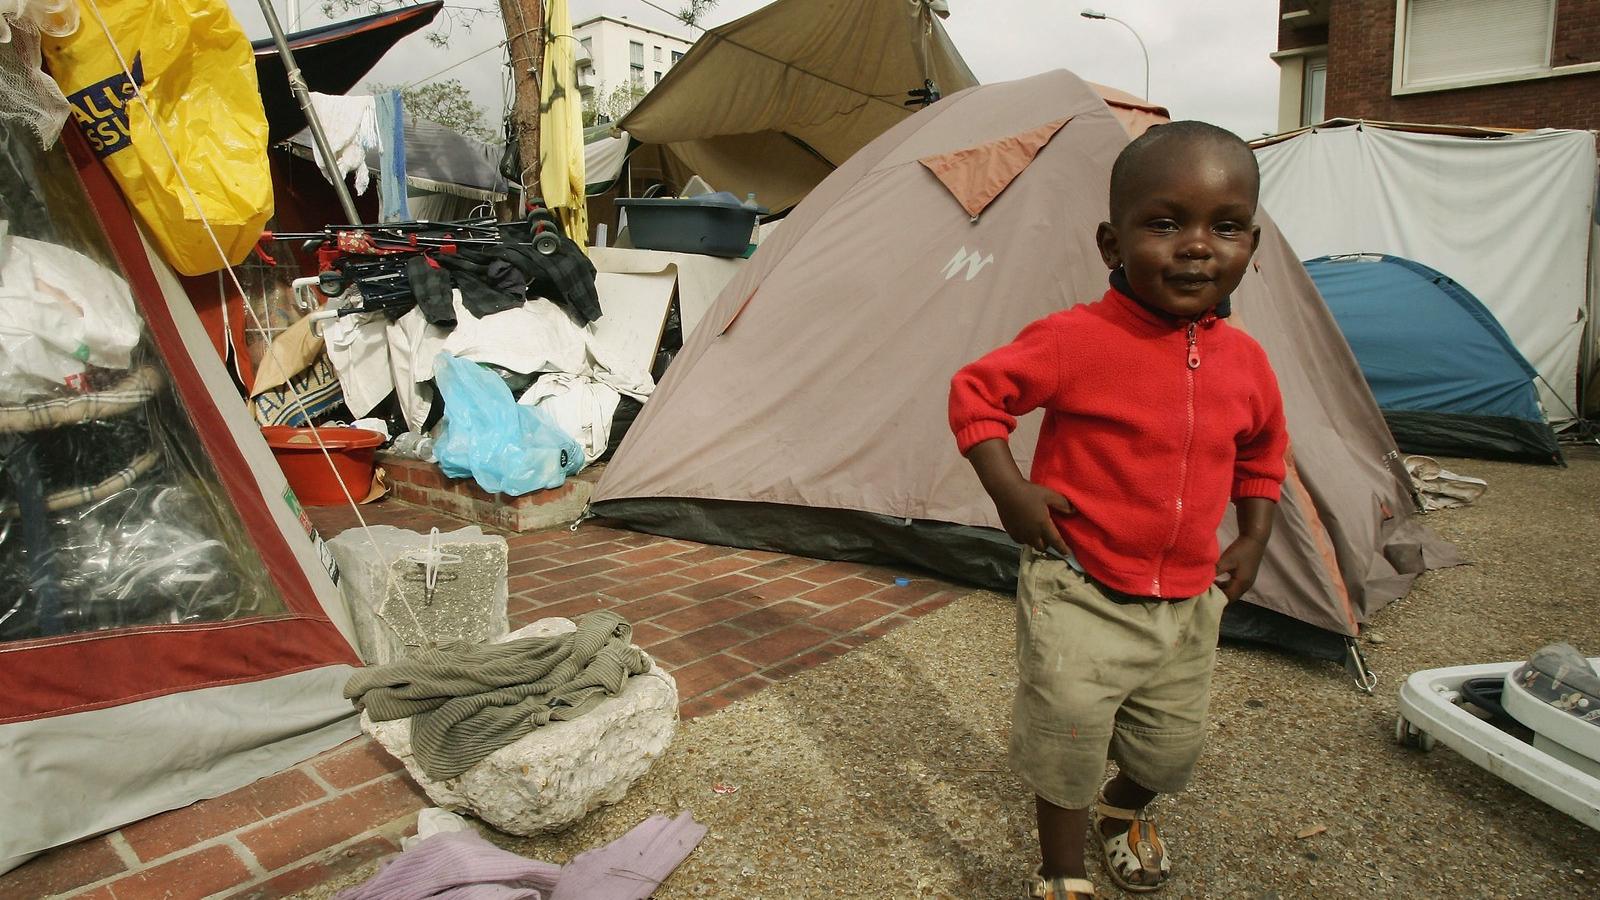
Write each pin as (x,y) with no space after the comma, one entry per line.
(725,622)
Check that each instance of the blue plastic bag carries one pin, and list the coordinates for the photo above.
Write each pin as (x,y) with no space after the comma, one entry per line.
(506,448)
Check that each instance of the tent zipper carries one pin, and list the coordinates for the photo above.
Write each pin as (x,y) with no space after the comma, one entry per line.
(1192,362)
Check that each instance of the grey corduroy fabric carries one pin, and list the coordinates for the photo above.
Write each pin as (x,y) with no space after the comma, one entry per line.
(468,700)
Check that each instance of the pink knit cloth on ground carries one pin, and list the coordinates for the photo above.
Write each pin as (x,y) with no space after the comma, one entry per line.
(464,866)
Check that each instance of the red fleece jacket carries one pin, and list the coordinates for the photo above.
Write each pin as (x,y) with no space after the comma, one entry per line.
(1151,425)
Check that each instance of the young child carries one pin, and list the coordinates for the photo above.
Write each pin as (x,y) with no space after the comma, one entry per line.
(1157,413)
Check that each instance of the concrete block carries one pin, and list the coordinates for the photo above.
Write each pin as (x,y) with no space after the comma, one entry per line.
(389,601)
(560,772)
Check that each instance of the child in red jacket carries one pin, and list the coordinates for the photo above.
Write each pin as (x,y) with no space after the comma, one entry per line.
(1157,414)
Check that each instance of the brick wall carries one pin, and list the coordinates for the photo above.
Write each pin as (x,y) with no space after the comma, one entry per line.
(279,835)
(1361,67)
(1292,38)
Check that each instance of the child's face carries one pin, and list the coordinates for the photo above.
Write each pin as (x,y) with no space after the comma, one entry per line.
(1187,235)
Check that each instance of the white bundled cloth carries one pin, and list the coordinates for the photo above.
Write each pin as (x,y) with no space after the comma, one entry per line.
(579,387)
(351,126)
(582,380)
(358,347)
(534,337)
(64,312)
(413,344)
(1441,488)
(582,407)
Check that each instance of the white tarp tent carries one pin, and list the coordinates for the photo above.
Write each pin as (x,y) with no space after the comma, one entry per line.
(1509,216)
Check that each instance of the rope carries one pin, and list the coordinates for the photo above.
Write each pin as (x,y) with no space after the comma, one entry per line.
(454,65)
(172,157)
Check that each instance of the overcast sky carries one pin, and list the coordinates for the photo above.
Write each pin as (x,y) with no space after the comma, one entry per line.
(1208,58)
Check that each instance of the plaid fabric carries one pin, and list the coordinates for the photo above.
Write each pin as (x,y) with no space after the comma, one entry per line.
(566,277)
(128,394)
(72,498)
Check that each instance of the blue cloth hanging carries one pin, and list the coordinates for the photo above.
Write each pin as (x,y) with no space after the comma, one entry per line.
(392,205)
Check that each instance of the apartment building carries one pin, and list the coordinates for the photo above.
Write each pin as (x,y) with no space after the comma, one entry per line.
(621,52)
(1509,63)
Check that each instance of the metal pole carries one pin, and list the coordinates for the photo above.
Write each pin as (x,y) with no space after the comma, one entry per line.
(1100,16)
(297,84)
(1141,50)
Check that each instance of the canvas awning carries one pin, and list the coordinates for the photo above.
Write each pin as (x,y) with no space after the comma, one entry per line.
(773,102)
(333,58)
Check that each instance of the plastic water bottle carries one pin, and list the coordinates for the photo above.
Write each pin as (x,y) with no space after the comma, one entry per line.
(755,228)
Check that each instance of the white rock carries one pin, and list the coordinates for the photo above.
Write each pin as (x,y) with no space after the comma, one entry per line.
(387,595)
(562,771)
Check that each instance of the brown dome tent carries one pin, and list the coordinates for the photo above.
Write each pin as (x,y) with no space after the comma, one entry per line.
(807,412)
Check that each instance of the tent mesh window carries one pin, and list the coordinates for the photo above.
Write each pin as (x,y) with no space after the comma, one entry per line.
(111,515)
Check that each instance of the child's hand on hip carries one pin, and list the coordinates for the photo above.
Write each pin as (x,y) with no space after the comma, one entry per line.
(1240,563)
(1024,509)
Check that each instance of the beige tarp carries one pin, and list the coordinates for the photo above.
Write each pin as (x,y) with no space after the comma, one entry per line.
(772,102)
(818,380)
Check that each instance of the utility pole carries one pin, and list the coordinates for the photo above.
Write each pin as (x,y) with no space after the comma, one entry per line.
(524,21)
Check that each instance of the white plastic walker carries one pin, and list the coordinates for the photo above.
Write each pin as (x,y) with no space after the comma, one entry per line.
(1555,694)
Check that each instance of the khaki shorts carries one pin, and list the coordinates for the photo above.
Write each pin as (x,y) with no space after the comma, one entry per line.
(1098,678)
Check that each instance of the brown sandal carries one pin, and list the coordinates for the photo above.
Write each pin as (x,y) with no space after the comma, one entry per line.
(1136,859)
(1060,888)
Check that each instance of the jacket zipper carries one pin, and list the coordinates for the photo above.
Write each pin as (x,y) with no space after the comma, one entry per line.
(1192,362)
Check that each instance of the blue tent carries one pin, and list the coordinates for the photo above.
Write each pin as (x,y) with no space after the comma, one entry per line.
(1443,370)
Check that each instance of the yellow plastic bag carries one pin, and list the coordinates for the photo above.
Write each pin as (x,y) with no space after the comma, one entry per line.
(195,67)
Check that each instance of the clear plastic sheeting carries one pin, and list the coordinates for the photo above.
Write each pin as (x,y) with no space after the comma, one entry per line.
(142,556)
(111,515)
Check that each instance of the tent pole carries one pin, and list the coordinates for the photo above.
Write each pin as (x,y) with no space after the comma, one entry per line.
(297,84)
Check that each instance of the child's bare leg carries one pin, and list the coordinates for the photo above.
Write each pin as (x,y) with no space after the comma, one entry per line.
(1124,792)
(1062,833)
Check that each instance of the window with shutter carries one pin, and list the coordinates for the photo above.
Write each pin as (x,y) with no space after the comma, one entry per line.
(1443,42)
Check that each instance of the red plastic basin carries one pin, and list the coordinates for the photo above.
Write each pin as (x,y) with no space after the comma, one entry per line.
(353,450)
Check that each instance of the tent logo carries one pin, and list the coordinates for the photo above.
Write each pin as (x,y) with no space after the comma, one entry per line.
(972,261)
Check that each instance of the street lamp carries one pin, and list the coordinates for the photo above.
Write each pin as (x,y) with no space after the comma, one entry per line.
(1094,14)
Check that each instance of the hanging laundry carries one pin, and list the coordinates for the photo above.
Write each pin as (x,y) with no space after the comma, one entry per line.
(392,192)
(351,127)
